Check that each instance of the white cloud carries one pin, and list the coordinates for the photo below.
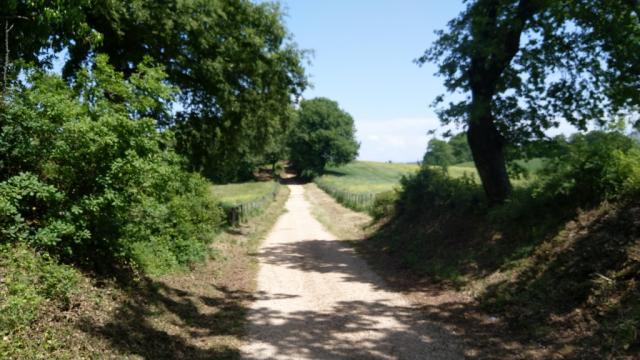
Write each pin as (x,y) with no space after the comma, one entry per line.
(398,140)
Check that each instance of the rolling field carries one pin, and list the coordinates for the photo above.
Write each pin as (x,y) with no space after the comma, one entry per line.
(376,177)
(356,184)
(366,176)
(532,166)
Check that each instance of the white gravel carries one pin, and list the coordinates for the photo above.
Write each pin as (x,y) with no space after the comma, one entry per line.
(316,299)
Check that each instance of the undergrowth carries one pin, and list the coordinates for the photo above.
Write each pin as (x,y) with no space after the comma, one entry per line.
(559,259)
(28,280)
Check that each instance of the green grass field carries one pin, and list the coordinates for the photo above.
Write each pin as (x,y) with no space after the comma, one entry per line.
(366,176)
(468,168)
(369,177)
(233,194)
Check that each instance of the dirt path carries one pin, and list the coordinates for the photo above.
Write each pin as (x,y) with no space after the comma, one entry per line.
(316,299)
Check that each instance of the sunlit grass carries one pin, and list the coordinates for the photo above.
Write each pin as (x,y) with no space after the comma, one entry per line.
(232,194)
(367,176)
(376,177)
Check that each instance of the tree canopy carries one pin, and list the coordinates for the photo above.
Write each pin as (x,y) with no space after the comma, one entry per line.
(525,65)
(232,60)
(323,134)
(438,153)
(444,153)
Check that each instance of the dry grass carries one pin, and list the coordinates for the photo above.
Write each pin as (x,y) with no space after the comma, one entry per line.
(344,223)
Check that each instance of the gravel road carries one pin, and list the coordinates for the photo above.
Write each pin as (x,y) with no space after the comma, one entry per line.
(316,299)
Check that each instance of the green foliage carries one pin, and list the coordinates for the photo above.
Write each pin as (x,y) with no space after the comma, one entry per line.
(45,24)
(384,205)
(433,190)
(439,153)
(596,166)
(444,153)
(232,60)
(324,134)
(533,83)
(86,176)
(460,148)
(28,280)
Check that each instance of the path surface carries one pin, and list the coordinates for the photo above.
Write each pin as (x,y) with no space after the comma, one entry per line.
(317,299)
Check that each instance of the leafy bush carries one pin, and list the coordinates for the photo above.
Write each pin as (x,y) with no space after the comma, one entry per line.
(431,189)
(28,279)
(85,174)
(596,166)
(384,205)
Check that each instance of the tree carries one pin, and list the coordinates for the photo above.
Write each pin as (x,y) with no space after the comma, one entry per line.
(323,134)
(526,64)
(439,153)
(460,148)
(237,70)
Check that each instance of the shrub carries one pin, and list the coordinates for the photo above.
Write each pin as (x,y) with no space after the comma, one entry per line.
(597,166)
(28,279)
(86,176)
(384,205)
(432,189)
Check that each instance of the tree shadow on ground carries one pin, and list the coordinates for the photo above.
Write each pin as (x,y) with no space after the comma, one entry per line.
(350,329)
(588,278)
(321,256)
(164,322)
(549,308)
(481,335)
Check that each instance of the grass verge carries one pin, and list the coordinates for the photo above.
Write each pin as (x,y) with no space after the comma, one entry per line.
(233,194)
(342,222)
(196,314)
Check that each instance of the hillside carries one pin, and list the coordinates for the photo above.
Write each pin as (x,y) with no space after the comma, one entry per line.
(366,176)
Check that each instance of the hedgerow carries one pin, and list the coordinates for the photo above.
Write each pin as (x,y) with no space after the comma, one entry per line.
(87,176)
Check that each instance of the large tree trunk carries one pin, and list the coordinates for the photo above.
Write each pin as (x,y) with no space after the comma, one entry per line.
(495,46)
(487,149)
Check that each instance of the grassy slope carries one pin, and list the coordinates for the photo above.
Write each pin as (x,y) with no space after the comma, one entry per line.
(548,279)
(198,314)
(367,176)
(550,275)
(232,194)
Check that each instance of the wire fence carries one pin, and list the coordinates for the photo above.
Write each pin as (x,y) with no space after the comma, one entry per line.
(240,213)
(360,201)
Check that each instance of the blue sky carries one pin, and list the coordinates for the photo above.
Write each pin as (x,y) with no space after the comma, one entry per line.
(363,58)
